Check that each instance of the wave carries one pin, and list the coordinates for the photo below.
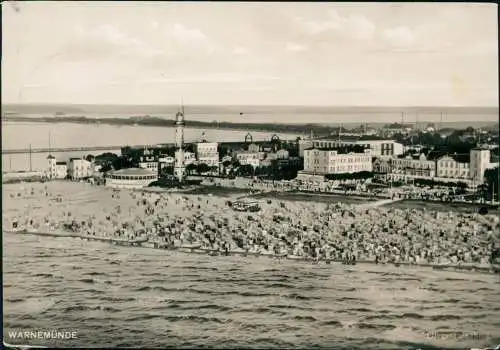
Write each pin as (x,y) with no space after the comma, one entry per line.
(87,280)
(193,318)
(298,307)
(46,275)
(305,318)
(406,315)
(332,323)
(114,299)
(178,305)
(294,296)
(380,327)
(444,317)
(90,308)
(14,300)
(95,273)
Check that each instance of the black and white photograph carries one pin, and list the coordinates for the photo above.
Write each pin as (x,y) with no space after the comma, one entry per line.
(250,175)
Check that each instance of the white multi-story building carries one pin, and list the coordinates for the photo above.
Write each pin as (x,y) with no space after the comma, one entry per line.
(56,170)
(189,157)
(379,148)
(479,162)
(148,161)
(252,158)
(414,167)
(452,167)
(61,170)
(253,147)
(336,161)
(166,161)
(280,154)
(79,168)
(207,153)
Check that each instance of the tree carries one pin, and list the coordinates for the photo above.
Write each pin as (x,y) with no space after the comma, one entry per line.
(122,163)
(236,163)
(202,168)
(245,170)
(492,183)
(214,169)
(167,170)
(89,158)
(190,168)
(105,167)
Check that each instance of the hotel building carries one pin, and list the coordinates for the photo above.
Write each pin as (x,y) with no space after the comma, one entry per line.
(337,161)
(207,153)
(379,148)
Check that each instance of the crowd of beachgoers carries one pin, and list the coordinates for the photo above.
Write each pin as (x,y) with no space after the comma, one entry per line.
(297,230)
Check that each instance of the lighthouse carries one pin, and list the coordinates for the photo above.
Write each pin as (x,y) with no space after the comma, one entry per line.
(179,165)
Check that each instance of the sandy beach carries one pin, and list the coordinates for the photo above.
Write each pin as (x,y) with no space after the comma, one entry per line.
(314,231)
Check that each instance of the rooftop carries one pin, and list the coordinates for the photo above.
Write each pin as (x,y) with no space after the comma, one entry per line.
(343,150)
(459,158)
(345,138)
(60,163)
(131,171)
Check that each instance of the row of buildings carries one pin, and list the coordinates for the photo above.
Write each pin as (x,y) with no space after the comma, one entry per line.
(468,168)
(320,157)
(388,158)
(74,168)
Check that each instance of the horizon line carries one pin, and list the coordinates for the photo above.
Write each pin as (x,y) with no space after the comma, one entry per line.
(242,105)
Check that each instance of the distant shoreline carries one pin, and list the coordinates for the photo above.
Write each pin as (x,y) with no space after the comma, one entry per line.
(169,123)
(319,129)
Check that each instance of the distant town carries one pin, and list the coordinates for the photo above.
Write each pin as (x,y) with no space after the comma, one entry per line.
(393,155)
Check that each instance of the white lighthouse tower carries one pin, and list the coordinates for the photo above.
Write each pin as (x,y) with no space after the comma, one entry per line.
(179,165)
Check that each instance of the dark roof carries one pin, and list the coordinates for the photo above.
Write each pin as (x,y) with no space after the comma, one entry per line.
(459,157)
(343,149)
(51,157)
(132,171)
(413,156)
(76,158)
(60,163)
(397,126)
(352,138)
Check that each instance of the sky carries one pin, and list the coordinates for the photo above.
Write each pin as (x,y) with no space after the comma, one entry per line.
(230,53)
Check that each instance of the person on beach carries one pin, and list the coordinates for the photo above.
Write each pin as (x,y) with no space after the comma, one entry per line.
(301,230)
